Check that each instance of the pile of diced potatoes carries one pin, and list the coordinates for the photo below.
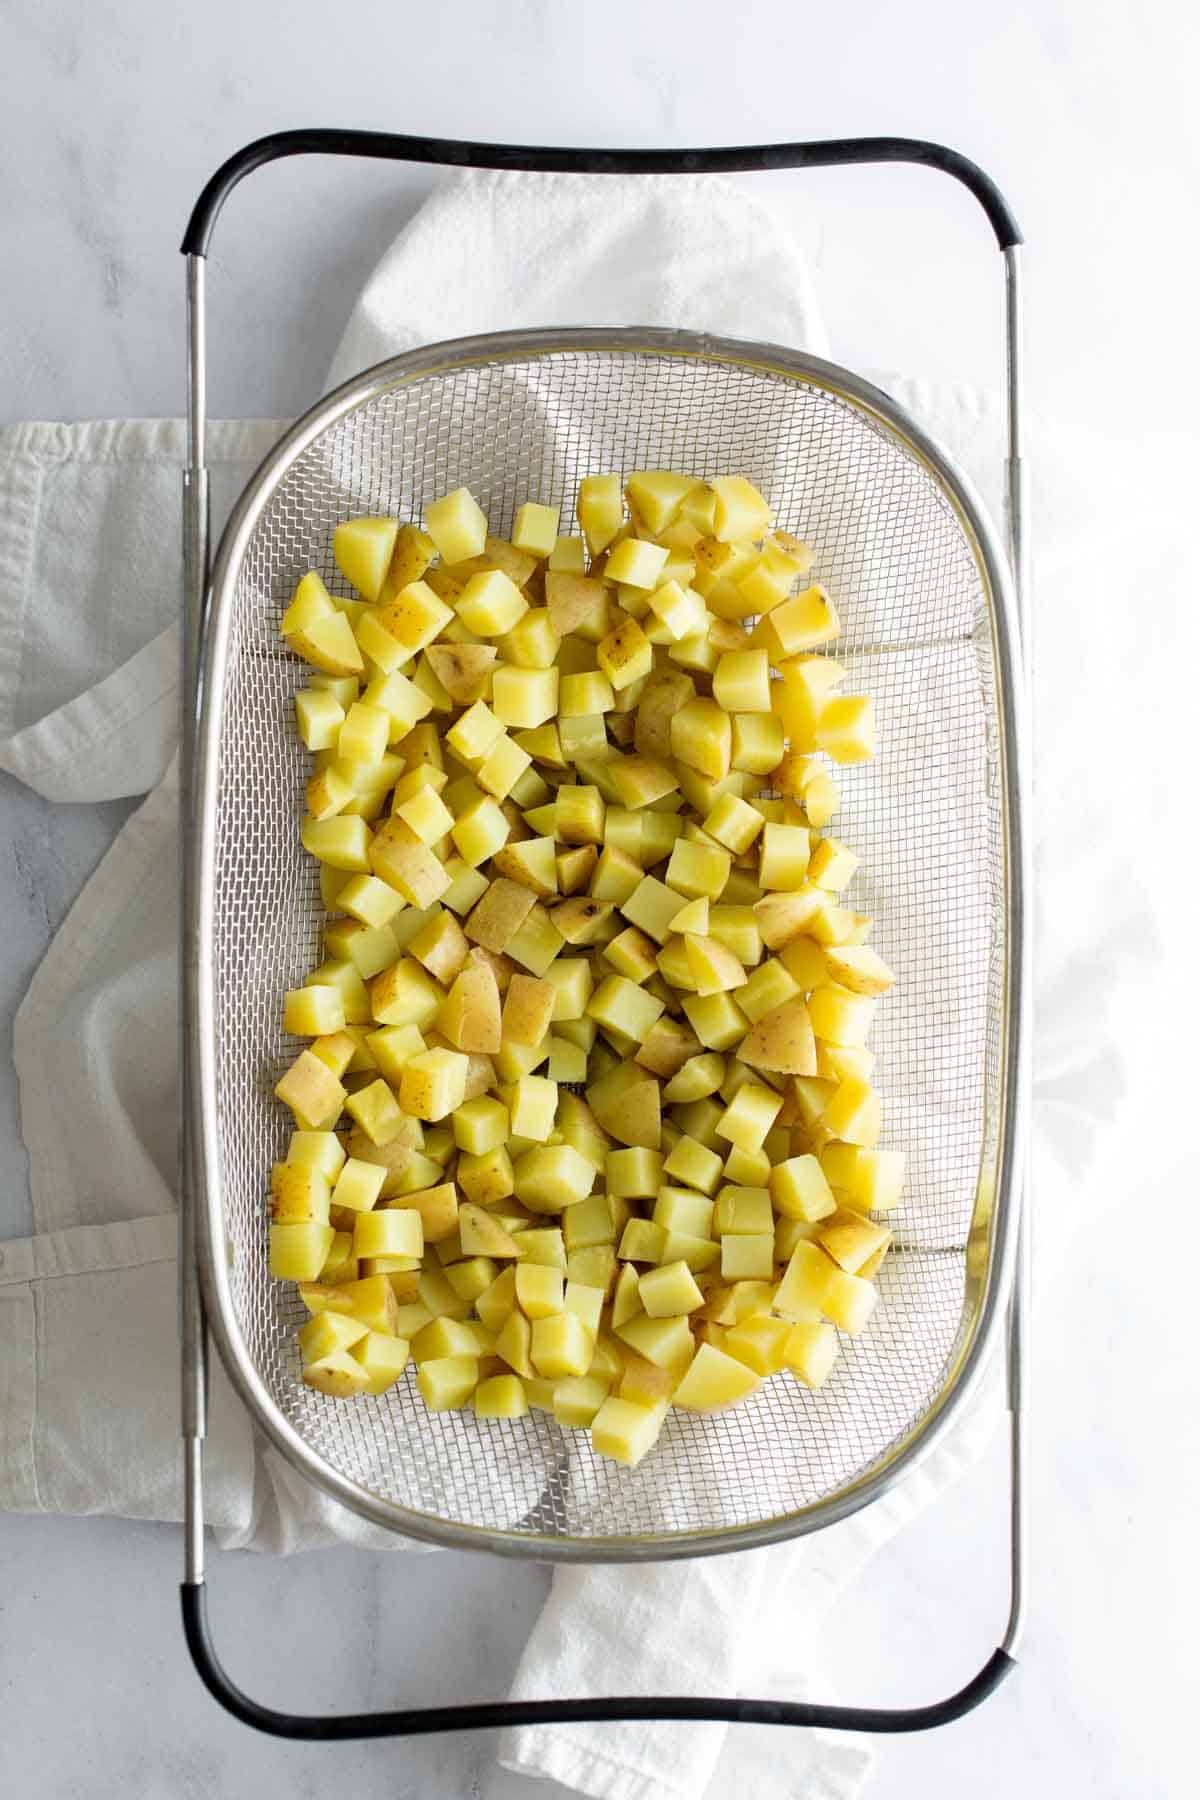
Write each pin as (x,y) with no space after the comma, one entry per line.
(585,1122)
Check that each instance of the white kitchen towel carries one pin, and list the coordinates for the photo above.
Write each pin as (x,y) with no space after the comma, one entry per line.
(88,586)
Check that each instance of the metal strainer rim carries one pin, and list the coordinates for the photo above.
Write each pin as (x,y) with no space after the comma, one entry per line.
(198,842)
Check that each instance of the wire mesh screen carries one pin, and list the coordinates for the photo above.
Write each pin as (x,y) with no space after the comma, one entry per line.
(925,817)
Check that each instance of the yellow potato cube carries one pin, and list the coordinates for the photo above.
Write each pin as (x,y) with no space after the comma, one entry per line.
(831,865)
(405,995)
(760,1342)
(742,682)
(337,1375)
(713,968)
(853,1240)
(678,614)
(642,1241)
(734,823)
(802,1292)
(318,718)
(859,969)
(297,1252)
(600,510)
(739,510)
(750,1115)
(747,1255)
(634,563)
(698,870)
(742,1212)
(313,1092)
(383,1360)
(525,697)
(501,1397)
(783,857)
(579,815)
(799,624)
(389,1233)
(631,953)
(341,842)
(534,1102)
(362,550)
(552,1176)
(426,815)
(756,742)
(539,1291)
(852,1113)
(328,643)
(578,1399)
(849,1301)
(374,1109)
(370,900)
(772,985)
(480,832)
(669,1291)
(373,1301)
(568,556)
(490,604)
(481,1124)
(402,701)
(587,1304)
(651,907)
(667,1343)
(433,1085)
(716,1019)
(634,1174)
(626,1432)
(359,1186)
(299,1193)
(714,1380)
(363,737)
(326,1332)
(313,1011)
(810,1352)
(840,1016)
(622,1006)
(845,729)
(447,1382)
(458,526)
(625,655)
(486,1178)
(444,1336)
(560,1343)
(681,1212)
(696,1167)
(800,1190)
(320,1150)
(701,736)
(657,495)
(697,1077)
(404,863)
(535,528)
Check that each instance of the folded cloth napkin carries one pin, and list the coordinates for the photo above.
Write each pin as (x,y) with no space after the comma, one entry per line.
(88,656)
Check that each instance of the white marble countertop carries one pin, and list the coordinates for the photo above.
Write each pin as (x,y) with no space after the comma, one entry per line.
(114,115)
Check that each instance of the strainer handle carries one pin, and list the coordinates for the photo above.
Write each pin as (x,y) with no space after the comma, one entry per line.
(491,1715)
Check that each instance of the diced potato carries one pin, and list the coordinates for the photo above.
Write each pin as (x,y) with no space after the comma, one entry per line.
(669,1291)
(337,1375)
(297,1252)
(760,1342)
(800,1190)
(667,1343)
(747,1256)
(560,1344)
(578,1398)
(358,1188)
(447,1382)
(701,737)
(714,1380)
(433,1085)
(626,1432)
(458,526)
(846,728)
(600,510)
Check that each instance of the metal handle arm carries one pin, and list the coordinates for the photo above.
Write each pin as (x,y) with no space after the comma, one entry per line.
(548,158)
(419,1721)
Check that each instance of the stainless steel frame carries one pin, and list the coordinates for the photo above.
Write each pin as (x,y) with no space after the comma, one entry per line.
(205,1290)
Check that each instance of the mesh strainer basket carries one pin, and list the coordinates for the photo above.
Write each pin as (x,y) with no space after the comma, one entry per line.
(924,593)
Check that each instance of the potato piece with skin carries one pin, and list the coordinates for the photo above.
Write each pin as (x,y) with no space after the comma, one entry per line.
(667,1047)
(625,655)
(858,969)
(528,1010)
(464,670)
(782,1040)
(571,600)
(470,1014)
(499,915)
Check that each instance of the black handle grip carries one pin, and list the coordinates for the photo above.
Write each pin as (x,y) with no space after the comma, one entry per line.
(544,158)
(496,1714)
